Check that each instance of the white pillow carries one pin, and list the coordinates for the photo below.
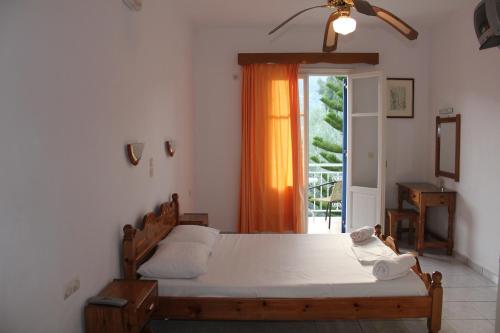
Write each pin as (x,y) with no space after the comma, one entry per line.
(193,233)
(176,260)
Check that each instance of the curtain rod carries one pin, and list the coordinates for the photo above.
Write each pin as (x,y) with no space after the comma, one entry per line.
(308,58)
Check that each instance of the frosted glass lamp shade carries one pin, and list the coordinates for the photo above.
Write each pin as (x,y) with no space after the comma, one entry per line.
(344,25)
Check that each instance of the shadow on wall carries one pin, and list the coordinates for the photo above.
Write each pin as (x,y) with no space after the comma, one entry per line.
(464,220)
(465,217)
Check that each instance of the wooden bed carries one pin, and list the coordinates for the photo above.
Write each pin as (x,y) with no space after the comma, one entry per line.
(139,244)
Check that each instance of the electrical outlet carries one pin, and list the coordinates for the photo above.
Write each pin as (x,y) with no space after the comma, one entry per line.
(71,287)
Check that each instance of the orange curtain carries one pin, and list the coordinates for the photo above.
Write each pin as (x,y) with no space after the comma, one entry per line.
(272,176)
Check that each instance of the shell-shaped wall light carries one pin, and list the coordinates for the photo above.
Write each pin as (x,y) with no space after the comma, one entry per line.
(134,152)
(170,148)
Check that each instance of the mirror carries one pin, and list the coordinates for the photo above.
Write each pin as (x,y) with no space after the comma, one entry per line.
(448,147)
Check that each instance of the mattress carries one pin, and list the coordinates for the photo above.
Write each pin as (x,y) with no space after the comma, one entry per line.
(288,266)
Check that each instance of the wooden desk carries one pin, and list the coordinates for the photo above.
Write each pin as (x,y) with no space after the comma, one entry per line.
(422,196)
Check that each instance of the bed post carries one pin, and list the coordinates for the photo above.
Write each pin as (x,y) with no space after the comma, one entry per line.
(128,248)
(436,292)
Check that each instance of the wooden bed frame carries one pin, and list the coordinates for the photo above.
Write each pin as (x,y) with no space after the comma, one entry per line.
(140,244)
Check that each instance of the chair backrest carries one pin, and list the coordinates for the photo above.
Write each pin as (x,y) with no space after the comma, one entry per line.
(336,192)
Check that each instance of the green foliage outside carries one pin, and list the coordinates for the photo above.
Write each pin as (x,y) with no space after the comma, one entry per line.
(329,149)
(326,127)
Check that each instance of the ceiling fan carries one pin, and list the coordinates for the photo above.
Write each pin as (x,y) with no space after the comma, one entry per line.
(341,22)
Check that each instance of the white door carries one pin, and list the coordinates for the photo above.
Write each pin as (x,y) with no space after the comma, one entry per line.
(365,152)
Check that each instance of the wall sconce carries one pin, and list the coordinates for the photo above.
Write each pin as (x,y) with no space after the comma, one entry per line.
(170,148)
(134,152)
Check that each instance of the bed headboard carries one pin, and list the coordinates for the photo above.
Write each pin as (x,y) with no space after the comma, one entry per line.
(139,244)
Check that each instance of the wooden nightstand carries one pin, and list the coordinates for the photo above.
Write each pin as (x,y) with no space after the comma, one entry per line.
(142,296)
(194,219)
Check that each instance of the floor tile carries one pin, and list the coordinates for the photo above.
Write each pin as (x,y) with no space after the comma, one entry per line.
(476,294)
(245,327)
(461,310)
(446,327)
(347,326)
(383,326)
(486,309)
(450,269)
(466,280)
(471,326)
(415,326)
(446,268)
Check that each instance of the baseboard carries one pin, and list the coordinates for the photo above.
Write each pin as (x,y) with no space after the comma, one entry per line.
(476,267)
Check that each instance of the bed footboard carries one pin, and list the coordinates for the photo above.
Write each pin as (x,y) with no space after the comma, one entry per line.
(193,308)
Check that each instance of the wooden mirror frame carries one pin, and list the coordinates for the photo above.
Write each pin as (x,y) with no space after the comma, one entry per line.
(439,172)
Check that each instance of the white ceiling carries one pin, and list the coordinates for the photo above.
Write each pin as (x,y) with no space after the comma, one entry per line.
(418,13)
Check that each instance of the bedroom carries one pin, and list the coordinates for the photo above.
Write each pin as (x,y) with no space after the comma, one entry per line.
(81,79)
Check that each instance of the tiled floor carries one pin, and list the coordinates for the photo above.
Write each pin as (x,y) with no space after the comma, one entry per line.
(469,307)
(469,298)
(319,225)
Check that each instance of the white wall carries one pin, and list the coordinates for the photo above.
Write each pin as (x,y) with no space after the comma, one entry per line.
(217,87)
(79,80)
(468,80)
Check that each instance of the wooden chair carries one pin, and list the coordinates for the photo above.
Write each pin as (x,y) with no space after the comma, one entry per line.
(393,220)
(335,197)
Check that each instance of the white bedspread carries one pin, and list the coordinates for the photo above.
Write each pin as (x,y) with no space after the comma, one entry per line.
(288,266)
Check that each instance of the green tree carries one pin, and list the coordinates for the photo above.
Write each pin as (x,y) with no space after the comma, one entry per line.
(329,148)
(332,98)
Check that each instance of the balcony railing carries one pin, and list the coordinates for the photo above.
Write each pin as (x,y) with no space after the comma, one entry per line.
(322,173)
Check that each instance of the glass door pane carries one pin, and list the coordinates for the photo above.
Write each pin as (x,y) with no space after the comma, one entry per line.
(325,119)
(365,152)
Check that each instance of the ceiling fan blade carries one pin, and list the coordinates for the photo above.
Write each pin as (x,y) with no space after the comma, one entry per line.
(396,23)
(331,37)
(294,16)
(364,7)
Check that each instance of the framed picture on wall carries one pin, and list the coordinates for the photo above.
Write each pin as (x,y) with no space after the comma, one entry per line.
(400,98)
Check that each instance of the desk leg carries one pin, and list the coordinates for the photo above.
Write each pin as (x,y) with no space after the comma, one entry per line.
(412,225)
(451,220)
(421,230)
(400,198)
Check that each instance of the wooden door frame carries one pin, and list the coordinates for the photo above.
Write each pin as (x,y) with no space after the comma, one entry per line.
(304,73)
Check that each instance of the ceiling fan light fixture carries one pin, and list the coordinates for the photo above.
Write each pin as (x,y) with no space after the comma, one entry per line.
(340,21)
(344,25)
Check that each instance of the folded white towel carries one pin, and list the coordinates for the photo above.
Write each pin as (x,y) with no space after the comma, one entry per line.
(389,269)
(362,234)
(372,250)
